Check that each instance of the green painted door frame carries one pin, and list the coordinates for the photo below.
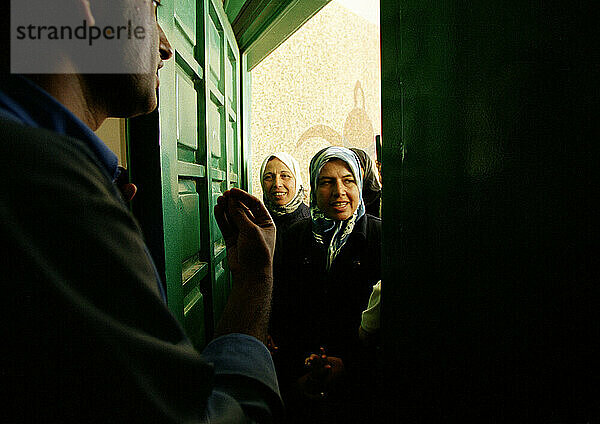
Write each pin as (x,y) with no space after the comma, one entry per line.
(194,140)
(262,25)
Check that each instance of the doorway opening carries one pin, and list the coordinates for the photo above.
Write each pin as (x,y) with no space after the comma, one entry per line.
(320,87)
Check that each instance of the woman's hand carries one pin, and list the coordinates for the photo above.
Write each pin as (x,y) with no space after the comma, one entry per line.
(273,348)
(323,372)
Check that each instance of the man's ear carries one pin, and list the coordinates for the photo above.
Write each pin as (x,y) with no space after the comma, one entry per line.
(86,10)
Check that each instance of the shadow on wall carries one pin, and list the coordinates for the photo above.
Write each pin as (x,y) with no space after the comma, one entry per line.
(357,132)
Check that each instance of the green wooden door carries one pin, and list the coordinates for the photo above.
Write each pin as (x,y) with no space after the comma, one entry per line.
(199,138)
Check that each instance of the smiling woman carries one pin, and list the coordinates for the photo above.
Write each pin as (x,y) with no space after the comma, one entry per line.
(337,191)
(283,191)
(325,269)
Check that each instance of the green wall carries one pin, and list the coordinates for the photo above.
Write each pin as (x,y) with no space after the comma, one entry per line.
(489,234)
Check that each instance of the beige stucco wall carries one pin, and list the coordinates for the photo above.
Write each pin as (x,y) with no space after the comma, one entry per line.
(319,88)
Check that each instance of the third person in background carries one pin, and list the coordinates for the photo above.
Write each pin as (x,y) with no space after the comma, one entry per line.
(371,191)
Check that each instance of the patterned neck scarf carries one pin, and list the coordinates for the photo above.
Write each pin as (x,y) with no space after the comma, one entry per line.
(294,167)
(329,233)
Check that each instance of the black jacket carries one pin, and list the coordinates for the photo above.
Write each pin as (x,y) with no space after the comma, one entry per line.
(85,334)
(313,307)
(284,222)
(373,207)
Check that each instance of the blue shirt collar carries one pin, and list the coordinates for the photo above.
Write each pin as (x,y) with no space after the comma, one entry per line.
(25,102)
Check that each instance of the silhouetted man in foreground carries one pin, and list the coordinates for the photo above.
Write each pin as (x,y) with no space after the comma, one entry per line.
(86,333)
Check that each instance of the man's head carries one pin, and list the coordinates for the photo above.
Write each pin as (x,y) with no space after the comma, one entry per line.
(106,52)
(132,94)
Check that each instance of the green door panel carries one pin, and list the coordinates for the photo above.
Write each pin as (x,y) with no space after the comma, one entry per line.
(214,131)
(215,50)
(194,317)
(218,243)
(222,86)
(232,152)
(185,18)
(220,287)
(189,206)
(187,113)
(231,72)
(199,149)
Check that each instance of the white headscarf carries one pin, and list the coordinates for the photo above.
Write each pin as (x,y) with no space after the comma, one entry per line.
(298,197)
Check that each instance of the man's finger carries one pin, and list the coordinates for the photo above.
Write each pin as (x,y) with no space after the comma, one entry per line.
(222,220)
(128,191)
(259,213)
(239,214)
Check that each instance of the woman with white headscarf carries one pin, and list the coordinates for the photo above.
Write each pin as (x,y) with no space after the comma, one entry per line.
(325,269)
(283,192)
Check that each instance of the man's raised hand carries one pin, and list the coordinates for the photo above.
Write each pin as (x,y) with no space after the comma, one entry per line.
(248,231)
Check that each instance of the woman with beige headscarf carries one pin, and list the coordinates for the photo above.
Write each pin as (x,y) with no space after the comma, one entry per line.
(283,191)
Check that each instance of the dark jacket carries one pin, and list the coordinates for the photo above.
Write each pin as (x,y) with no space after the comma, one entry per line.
(284,222)
(374,206)
(85,334)
(313,307)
